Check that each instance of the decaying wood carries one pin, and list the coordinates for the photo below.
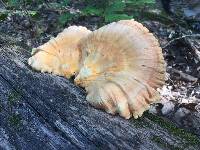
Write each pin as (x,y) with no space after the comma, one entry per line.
(191,40)
(42,111)
(194,44)
(178,38)
(185,76)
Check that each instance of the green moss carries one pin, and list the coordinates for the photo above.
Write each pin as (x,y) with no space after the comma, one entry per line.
(13,98)
(140,123)
(164,144)
(189,138)
(15,120)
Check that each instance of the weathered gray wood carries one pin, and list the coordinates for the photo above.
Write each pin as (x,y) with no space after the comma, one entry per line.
(30,128)
(55,114)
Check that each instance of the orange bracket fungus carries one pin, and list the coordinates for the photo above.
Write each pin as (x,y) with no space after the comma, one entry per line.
(60,55)
(120,65)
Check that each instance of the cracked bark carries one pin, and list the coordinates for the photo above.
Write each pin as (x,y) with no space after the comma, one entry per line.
(55,115)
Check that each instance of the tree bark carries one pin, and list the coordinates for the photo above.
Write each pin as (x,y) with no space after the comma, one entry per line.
(43,111)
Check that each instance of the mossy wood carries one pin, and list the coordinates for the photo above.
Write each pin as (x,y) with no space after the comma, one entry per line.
(42,111)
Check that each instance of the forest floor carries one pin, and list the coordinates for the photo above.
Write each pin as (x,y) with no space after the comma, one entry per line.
(180,96)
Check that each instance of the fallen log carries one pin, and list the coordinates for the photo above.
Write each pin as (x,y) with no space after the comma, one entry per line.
(43,111)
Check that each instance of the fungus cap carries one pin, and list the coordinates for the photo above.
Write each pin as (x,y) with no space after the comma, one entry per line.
(121,68)
(60,55)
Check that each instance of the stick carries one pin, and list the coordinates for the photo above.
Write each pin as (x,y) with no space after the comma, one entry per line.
(182,37)
(185,76)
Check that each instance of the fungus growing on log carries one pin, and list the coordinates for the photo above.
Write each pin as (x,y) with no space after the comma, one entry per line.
(120,65)
(60,55)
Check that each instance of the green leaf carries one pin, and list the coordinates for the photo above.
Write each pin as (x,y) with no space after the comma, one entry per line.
(65,18)
(116,17)
(3,16)
(65,2)
(92,11)
(59,5)
(13,3)
(32,13)
(116,6)
(140,2)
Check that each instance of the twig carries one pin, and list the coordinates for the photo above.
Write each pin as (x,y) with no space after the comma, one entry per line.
(178,38)
(185,76)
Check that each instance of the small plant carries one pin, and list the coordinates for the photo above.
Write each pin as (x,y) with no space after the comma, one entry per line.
(109,10)
(3,16)
(114,10)
(65,16)
(13,3)
(138,7)
(18,7)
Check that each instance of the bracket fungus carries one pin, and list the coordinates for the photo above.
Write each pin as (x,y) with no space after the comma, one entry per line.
(60,55)
(120,65)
